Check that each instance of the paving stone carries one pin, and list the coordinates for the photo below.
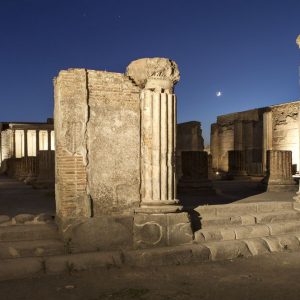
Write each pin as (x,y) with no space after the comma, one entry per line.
(161,256)
(23,218)
(251,231)
(44,218)
(228,250)
(277,216)
(4,219)
(257,246)
(273,206)
(282,243)
(284,227)
(236,209)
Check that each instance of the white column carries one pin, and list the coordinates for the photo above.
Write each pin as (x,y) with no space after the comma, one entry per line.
(158,148)
(157,77)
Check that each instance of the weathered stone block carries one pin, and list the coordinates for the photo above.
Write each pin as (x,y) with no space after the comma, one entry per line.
(158,230)
(99,233)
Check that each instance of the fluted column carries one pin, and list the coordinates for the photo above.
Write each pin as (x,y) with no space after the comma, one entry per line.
(158,148)
(157,77)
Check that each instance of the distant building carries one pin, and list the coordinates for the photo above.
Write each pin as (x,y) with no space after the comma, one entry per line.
(253,132)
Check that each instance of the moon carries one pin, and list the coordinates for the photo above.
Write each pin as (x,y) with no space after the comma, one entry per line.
(219,93)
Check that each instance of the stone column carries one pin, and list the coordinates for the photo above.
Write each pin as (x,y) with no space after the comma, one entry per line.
(238,135)
(267,136)
(155,222)
(214,146)
(14,143)
(25,143)
(279,175)
(157,78)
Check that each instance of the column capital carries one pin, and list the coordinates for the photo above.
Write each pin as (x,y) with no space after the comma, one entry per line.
(154,73)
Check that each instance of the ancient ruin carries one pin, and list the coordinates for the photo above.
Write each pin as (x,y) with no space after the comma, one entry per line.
(252,133)
(27,151)
(103,121)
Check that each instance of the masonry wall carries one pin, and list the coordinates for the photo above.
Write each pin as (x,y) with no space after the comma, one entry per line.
(189,138)
(247,131)
(285,129)
(6,147)
(97,129)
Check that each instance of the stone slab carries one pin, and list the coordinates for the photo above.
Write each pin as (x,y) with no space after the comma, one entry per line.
(158,230)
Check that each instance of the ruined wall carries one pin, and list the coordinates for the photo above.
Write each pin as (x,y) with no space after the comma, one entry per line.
(285,129)
(189,138)
(97,130)
(251,132)
(6,148)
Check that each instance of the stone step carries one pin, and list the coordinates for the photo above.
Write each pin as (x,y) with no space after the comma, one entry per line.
(251,219)
(25,267)
(31,248)
(28,232)
(248,231)
(243,208)
(223,250)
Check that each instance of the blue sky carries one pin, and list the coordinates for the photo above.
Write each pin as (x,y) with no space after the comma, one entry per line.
(246,49)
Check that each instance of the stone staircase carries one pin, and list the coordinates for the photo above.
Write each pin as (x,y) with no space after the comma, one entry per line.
(30,240)
(236,230)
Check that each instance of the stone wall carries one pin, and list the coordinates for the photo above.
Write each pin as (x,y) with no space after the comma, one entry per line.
(6,148)
(97,128)
(115,157)
(255,132)
(189,138)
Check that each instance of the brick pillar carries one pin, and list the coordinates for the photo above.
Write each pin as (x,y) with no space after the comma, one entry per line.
(279,171)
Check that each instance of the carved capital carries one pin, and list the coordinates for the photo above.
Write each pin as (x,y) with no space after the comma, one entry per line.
(154,73)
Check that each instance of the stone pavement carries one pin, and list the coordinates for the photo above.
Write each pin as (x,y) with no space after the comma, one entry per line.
(271,277)
(19,198)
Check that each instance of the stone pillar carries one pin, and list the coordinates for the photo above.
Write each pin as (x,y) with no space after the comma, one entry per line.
(267,136)
(237,163)
(37,136)
(238,135)
(155,221)
(279,171)
(195,166)
(214,146)
(14,143)
(157,78)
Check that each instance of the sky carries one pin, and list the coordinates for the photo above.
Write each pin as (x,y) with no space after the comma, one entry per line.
(244,49)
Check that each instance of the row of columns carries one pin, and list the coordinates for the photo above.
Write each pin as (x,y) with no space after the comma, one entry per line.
(24,137)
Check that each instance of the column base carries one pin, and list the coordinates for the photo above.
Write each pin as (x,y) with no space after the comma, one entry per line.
(161,230)
(163,206)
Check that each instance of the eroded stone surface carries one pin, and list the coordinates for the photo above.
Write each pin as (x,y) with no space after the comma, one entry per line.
(158,230)
(143,70)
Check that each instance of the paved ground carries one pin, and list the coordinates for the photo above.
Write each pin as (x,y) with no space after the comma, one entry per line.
(17,197)
(237,191)
(275,276)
